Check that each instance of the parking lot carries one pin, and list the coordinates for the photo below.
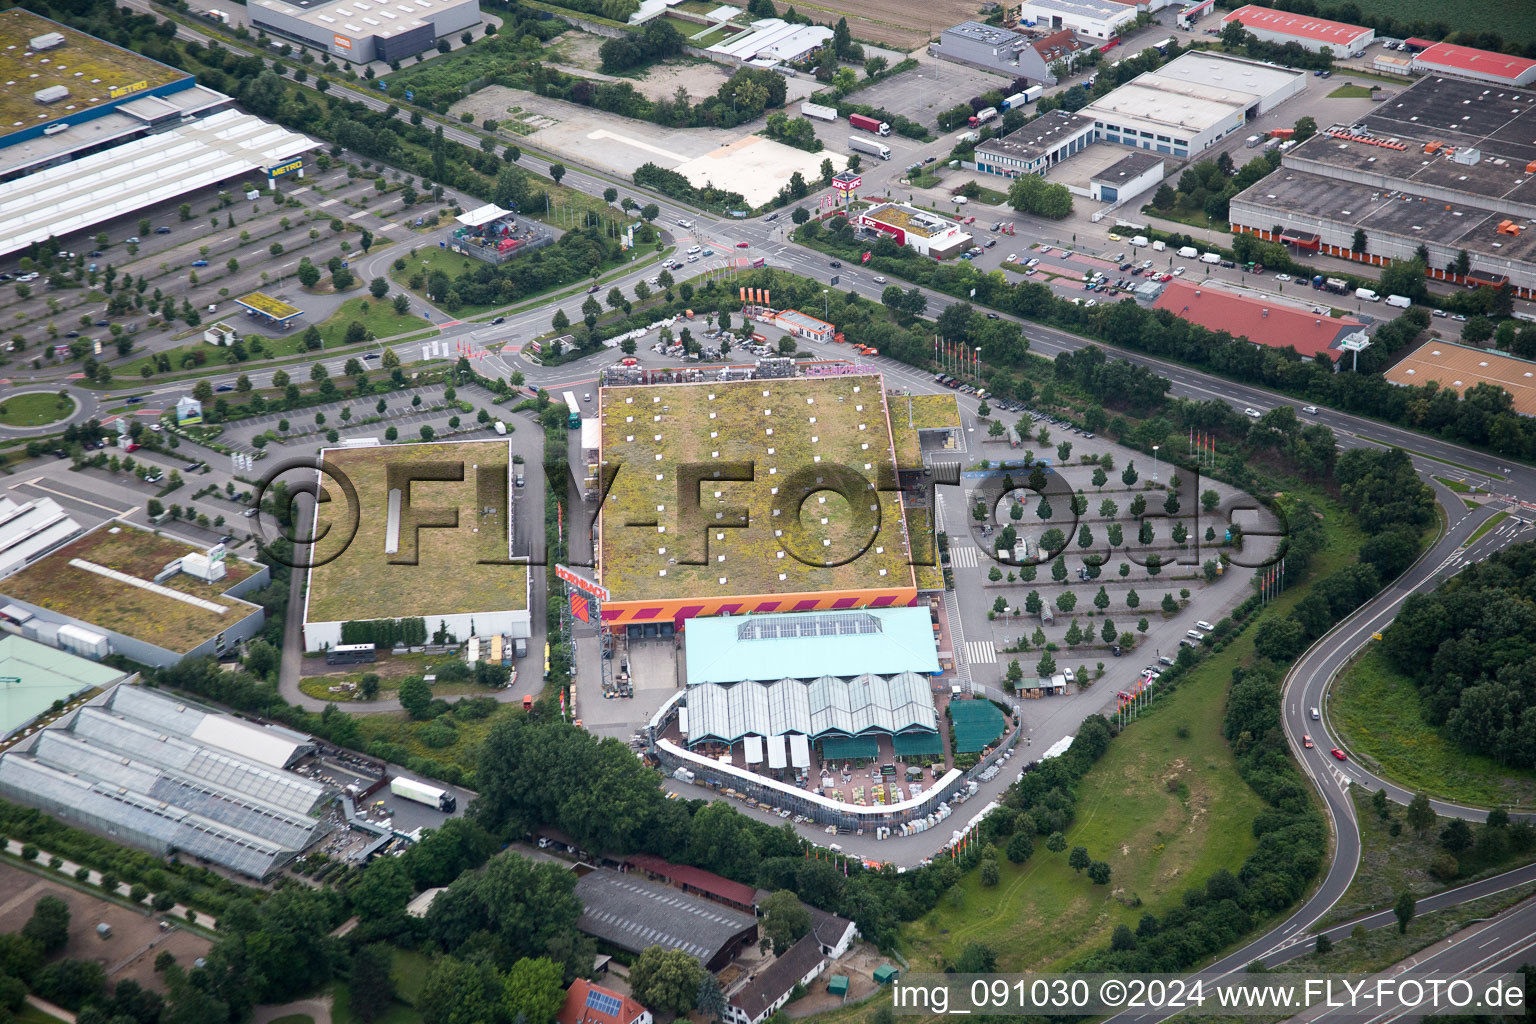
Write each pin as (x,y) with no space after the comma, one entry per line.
(930,89)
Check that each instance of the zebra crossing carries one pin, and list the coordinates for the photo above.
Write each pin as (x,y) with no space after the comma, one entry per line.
(963,556)
(980,652)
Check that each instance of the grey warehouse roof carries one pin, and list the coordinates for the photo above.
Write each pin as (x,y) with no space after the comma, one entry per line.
(822,707)
(126,766)
(632,913)
(807,645)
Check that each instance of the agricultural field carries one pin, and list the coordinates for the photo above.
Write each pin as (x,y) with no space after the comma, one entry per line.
(1376,712)
(1509,18)
(904,25)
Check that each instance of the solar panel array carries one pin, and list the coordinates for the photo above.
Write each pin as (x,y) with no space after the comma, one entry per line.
(603,1003)
(788,627)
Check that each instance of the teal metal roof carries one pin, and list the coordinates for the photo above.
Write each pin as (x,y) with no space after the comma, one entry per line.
(45,675)
(809,645)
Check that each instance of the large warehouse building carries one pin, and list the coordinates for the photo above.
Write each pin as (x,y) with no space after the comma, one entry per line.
(432,538)
(1446,163)
(1479,65)
(1191,103)
(1460,368)
(366,30)
(1312,33)
(1096,19)
(157,772)
(37,676)
(631,913)
(147,596)
(1008,52)
(795,509)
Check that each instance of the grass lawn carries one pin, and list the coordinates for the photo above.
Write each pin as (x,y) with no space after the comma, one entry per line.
(456,569)
(911,413)
(1493,520)
(35,409)
(1392,864)
(1165,811)
(29,1014)
(687,28)
(410,973)
(715,36)
(341,1009)
(1455,485)
(377,315)
(1184,215)
(1350,91)
(1377,714)
(397,727)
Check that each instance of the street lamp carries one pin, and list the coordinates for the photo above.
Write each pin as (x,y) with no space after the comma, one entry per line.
(1154,462)
(826,310)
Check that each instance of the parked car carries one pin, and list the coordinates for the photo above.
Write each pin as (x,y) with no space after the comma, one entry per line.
(199,263)
(1013,257)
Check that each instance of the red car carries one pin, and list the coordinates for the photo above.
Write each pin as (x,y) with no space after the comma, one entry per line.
(1336,752)
(1306,741)
(133,447)
(741,245)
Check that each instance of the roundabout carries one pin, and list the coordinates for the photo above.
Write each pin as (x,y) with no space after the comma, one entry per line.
(37,411)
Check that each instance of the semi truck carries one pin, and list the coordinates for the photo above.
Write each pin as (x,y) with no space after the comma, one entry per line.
(818,111)
(1028,95)
(869,124)
(878,149)
(422,793)
(982,116)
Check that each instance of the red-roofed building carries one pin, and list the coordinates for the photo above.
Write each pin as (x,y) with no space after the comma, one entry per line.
(1312,33)
(586,1003)
(1261,322)
(695,880)
(1480,65)
(1062,45)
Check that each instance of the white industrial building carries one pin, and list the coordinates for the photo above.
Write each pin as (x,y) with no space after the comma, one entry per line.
(926,233)
(1478,65)
(76,196)
(1189,104)
(29,530)
(1126,178)
(774,41)
(1098,19)
(1037,146)
(366,30)
(1305,30)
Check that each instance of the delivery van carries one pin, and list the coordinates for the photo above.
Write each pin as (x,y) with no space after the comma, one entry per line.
(1400,301)
(1188,252)
(1210,257)
(1366,295)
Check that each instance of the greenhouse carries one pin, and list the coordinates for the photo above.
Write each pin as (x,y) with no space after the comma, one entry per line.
(829,706)
(118,767)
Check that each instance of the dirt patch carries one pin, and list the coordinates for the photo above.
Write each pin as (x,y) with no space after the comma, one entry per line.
(858,966)
(136,937)
(904,24)
(576,53)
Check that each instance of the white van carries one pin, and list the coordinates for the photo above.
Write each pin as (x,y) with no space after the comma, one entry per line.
(1159,246)
(1365,294)
(1210,257)
(1400,301)
(1139,241)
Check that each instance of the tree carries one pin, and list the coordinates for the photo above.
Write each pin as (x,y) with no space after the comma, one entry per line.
(534,991)
(989,872)
(1098,872)
(711,1001)
(556,172)
(1123,938)
(665,980)
(49,924)
(1020,846)
(415,695)
(1306,127)
(785,919)
(371,986)
(1056,842)
(1358,244)
(378,287)
(1078,859)
(1403,909)
(1169,604)
(1129,476)
(1420,816)
(1456,836)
